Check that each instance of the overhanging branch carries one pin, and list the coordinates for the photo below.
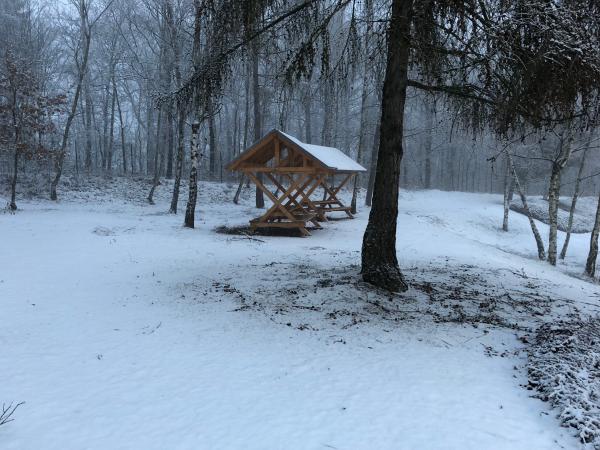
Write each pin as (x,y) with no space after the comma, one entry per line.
(466,91)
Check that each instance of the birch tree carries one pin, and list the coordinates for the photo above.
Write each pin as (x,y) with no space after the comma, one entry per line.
(576,192)
(190,211)
(590,265)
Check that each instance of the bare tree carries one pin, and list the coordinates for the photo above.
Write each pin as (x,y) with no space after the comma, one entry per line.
(558,164)
(81,59)
(590,265)
(363,100)
(563,252)
(536,234)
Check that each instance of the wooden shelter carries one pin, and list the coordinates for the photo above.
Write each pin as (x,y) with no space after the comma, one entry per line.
(297,170)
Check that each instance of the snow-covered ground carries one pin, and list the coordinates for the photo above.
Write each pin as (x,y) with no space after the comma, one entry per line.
(122,330)
(583,218)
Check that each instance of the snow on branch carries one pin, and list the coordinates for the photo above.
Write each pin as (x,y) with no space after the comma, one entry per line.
(564,369)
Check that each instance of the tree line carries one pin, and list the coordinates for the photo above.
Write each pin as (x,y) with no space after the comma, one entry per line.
(471,95)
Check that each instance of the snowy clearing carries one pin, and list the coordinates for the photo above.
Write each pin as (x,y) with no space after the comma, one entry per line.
(124,330)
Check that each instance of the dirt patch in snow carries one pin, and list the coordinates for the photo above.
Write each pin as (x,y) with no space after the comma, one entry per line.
(312,297)
(245,230)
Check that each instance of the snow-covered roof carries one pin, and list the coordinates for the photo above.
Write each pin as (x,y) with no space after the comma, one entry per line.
(331,157)
(263,150)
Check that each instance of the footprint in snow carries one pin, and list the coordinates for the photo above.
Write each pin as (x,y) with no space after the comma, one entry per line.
(103,231)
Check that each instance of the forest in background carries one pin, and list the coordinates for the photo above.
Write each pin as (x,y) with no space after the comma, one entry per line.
(113,87)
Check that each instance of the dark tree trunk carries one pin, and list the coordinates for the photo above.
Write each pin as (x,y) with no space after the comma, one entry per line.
(88,125)
(236,197)
(260,201)
(590,265)
(17,127)
(122,128)
(175,45)
(307,103)
(379,261)
(157,151)
(171,119)
(13,183)
(429,119)
(111,138)
(246,111)
(212,151)
(363,105)
(328,112)
(149,122)
(190,211)
(179,162)
(373,166)
(507,195)
(104,137)
(58,164)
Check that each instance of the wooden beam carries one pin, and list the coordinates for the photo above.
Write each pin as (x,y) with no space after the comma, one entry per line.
(332,199)
(237,163)
(277,202)
(295,169)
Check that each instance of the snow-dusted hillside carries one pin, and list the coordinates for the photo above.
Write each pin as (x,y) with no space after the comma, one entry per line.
(123,330)
(583,218)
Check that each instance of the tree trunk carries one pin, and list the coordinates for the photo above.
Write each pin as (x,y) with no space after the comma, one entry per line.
(553,196)
(88,125)
(534,230)
(326,132)
(58,165)
(260,201)
(149,121)
(170,120)
(563,252)
(174,39)
(590,265)
(507,184)
(193,188)
(13,183)
(236,197)
(111,141)
(429,120)
(307,104)
(379,261)
(363,104)
(246,110)
(179,162)
(104,137)
(156,164)
(212,151)
(373,165)
(554,192)
(122,129)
